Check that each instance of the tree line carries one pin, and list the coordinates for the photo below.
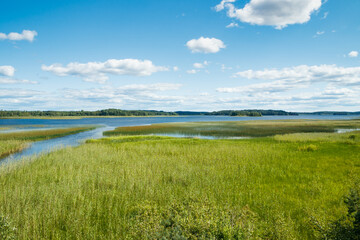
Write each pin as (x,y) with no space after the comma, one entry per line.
(119,112)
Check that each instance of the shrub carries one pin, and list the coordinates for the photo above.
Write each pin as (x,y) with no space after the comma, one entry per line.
(352,137)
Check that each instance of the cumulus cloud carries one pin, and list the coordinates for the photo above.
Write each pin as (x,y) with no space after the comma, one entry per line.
(7,76)
(277,13)
(27,35)
(353,54)
(98,71)
(299,87)
(205,45)
(305,73)
(7,71)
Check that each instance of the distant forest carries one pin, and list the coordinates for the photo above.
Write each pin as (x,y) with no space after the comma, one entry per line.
(129,113)
(105,112)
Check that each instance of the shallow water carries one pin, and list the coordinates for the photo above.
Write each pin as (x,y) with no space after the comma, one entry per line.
(347,130)
(107,124)
(46,146)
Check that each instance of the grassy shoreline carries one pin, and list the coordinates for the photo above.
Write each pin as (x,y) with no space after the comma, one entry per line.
(11,146)
(17,141)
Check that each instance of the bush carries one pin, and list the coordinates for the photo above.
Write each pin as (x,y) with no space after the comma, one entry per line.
(352,137)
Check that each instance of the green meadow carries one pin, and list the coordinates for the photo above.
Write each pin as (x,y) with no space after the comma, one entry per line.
(288,186)
(16,141)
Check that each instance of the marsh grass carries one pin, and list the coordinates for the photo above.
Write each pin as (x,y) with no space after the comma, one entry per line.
(8,147)
(17,141)
(238,128)
(149,187)
(38,135)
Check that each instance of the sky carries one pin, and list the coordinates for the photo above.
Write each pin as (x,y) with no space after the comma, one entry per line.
(194,55)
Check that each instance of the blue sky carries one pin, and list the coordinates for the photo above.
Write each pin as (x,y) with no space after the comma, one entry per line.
(299,55)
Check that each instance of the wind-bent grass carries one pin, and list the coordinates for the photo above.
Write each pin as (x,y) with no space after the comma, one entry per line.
(17,141)
(238,128)
(148,187)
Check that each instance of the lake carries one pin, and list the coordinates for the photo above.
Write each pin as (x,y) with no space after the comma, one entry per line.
(107,124)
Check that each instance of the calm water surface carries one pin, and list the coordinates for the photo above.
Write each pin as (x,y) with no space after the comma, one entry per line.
(106,124)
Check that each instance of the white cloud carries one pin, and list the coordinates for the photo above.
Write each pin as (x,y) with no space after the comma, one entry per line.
(176,68)
(326,14)
(136,96)
(232,25)
(4,80)
(320,32)
(7,71)
(98,71)
(277,13)
(201,65)
(25,35)
(205,45)
(272,87)
(305,73)
(192,71)
(353,54)
(150,87)
(222,4)
(6,76)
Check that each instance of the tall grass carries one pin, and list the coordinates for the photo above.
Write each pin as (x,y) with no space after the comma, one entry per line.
(160,187)
(8,147)
(238,128)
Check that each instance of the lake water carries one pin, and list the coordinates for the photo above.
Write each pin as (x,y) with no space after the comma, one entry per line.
(107,124)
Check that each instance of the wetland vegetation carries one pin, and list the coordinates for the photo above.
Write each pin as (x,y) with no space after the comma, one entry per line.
(16,141)
(238,128)
(288,186)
